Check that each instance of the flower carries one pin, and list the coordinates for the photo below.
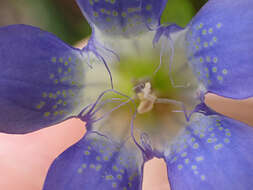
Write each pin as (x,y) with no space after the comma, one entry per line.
(46,81)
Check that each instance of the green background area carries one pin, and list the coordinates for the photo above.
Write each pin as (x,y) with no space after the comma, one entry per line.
(63,17)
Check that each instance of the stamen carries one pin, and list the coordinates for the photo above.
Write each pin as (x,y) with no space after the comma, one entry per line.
(88,116)
(108,101)
(92,111)
(108,70)
(90,47)
(172,53)
(161,55)
(112,110)
(166,31)
(170,101)
(146,143)
(88,63)
(146,97)
(107,49)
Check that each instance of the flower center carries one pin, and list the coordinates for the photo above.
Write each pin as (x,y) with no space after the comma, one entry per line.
(164,97)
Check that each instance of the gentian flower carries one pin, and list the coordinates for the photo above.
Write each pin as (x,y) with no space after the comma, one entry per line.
(45,81)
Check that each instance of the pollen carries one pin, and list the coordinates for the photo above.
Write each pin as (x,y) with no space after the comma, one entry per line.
(146,97)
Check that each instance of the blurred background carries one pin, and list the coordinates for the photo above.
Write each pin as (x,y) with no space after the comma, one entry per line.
(64,19)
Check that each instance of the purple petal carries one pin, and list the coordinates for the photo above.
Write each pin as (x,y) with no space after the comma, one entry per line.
(96,162)
(121,17)
(220,45)
(214,152)
(41,80)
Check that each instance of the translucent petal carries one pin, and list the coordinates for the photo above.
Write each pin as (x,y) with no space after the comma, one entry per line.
(42,79)
(139,62)
(219,45)
(120,17)
(96,162)
(213,152)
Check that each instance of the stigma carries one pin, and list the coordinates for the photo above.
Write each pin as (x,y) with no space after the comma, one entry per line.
(146,97)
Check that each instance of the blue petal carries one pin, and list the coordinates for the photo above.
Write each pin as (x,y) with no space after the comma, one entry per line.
(220,45)
(122,17)
(214,152)
(41,79)
(96,162)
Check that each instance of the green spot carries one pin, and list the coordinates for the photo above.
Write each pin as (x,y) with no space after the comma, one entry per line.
(225,71)
(109,177)
(59,101)
(228,134)
(51,76)
(102,10)
(108,19)
(46,114)
(184,154)
(214,69)
(119,176)
(148,7)
(187,161)
(98,167)
(115,168)
(123,14)
(50,95)
(44,94)
(121,171)
(220,78)
(53,59)
(59,70)
(114,185)
(84,165)
(226,140)
(200,25)
(180,166)
(195,145)
(114,13)
(80,170)
(218,146)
